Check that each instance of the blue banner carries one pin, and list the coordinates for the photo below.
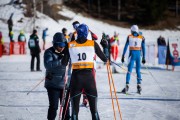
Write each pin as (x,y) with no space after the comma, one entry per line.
(162,50)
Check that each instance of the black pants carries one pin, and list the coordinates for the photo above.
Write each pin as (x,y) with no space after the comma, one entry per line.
(83,79)
(37,56)
(54,95)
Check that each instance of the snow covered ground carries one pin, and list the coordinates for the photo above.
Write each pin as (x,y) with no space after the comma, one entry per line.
(160,100)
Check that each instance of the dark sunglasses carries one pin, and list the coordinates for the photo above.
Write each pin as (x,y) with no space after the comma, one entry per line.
(59,44)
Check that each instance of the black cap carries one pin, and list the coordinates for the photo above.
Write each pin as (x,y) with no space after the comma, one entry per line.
(34,31)
(75,22)
(64,30)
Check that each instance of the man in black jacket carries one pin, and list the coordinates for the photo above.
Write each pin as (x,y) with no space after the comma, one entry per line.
(81,52)
(35,50)
(104,44)
(55,75)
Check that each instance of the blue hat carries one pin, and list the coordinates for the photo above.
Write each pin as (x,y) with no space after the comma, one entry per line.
(59,40)
(82,31)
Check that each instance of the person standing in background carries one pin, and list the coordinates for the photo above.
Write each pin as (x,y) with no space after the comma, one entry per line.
(64,31)
(75,25)
(1,42)
(114,42)
(44,35)
(35,50)
(10,23)
(104,44)
(11,36)
(21,37)
(22,41)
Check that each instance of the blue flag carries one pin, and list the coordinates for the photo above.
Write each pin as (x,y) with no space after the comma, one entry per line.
(162,54)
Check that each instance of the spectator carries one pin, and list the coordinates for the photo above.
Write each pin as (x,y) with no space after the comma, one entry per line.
(21,37)
(44,37)
(161,41)
(64,31)
(104,44)
(34,50)
(11,36)
(1,41)
(114,41)
(10,23)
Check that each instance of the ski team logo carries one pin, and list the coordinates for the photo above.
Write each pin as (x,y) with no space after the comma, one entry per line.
(72,45)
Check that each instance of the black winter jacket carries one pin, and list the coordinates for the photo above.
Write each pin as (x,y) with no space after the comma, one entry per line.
(55,71)
(36,50)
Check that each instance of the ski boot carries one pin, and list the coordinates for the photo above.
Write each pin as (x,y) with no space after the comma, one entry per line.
(125,90)
(139,89)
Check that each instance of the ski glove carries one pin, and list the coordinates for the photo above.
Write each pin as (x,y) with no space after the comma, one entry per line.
(122,59)
(143,60)
(49,76)
(60,56)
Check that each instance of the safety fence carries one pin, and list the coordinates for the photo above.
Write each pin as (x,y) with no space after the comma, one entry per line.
(12,48)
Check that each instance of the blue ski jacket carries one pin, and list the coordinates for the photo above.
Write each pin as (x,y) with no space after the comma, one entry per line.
(55,70)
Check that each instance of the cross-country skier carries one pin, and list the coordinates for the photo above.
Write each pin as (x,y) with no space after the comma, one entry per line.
(90,36)
(55,74)
(81,53)
(136,44)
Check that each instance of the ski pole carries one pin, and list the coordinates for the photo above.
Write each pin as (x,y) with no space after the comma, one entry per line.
(111,91)
(35,86)
(155,80)
(62,104)
(117,102)
(64,93)
(125,70)
(66,107)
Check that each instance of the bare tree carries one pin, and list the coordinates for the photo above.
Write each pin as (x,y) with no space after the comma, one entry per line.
(119,9)
(176,8)
(99,8)
(89,6)
(110,5)
(34,17)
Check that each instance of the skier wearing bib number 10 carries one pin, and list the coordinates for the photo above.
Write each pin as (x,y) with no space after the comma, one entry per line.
(81,53)
(136,44)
